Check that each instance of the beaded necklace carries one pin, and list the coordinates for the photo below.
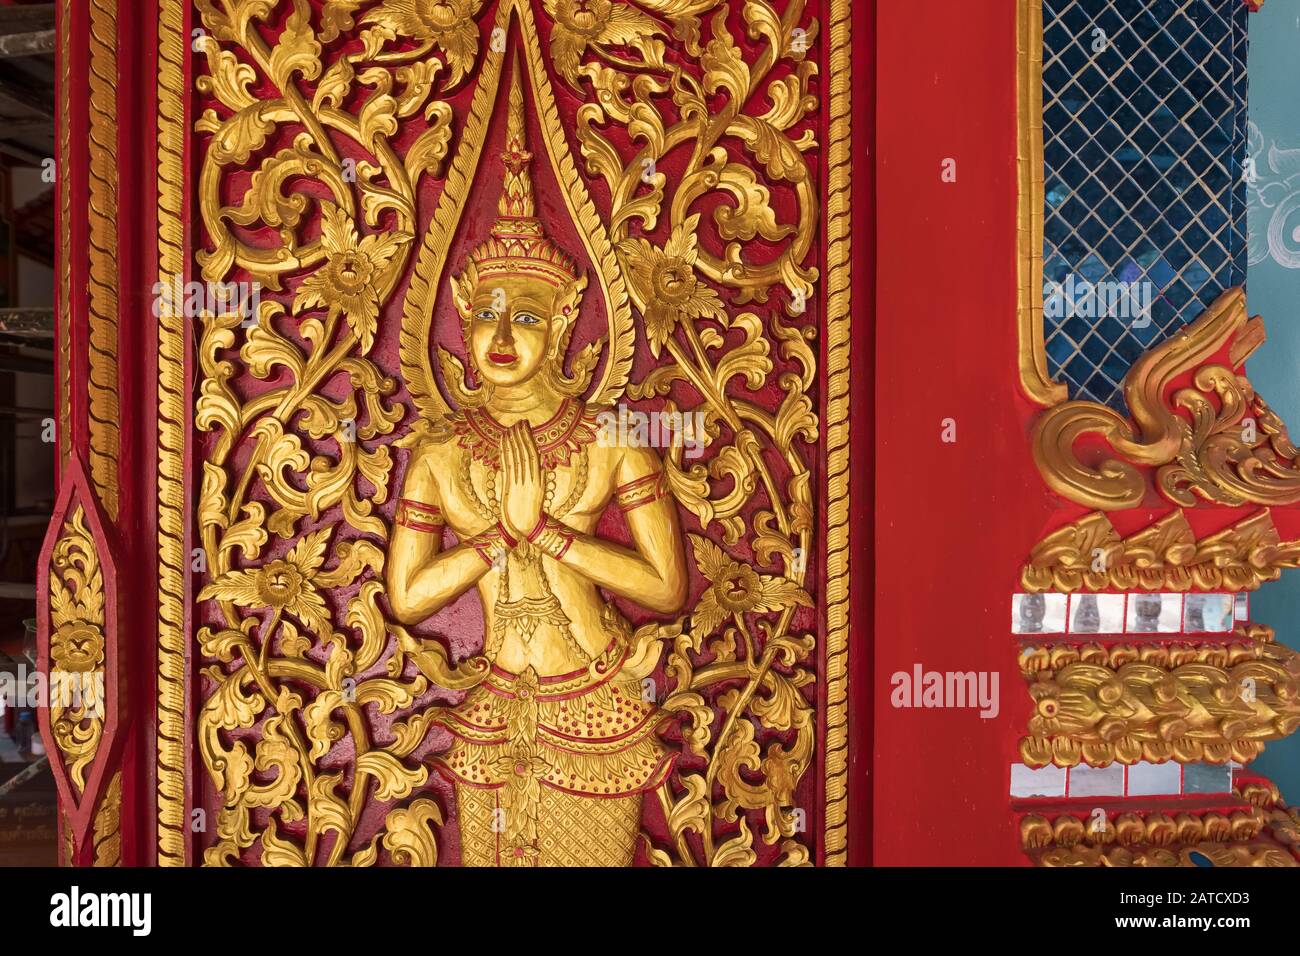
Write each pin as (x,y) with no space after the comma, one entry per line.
(561,441)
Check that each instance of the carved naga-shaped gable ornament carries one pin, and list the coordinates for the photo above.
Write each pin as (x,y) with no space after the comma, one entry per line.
(1198,429)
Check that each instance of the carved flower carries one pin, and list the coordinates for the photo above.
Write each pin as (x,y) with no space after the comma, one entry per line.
(1047,708)
(522,854)
(736,589)
(448,23)
(1066,709)
(520,762)
(348,281)
(286,584)
(77,647)
(664,279)
(599,23)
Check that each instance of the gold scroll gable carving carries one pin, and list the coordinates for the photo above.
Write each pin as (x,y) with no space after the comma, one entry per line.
(1089,555)
(1097,704)
(1212,439)
(289,515)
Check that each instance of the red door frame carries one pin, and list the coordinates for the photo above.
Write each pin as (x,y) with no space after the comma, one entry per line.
(951,519)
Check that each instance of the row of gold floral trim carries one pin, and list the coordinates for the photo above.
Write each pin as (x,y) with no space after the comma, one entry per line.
(1089,554)
(1247,643)
(1134,829)
(1261,833)
(1219,854)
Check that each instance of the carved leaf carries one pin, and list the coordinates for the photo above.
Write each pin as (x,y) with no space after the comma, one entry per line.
(410,837)
(296,49)
(395,780)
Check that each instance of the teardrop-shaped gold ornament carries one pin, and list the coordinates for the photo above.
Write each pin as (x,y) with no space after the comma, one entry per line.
(431,263)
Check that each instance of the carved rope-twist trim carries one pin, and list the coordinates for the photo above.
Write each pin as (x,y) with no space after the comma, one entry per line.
(171,444)
(103,285)
(838,291)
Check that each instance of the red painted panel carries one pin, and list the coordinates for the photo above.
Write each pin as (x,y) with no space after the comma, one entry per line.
(953,521)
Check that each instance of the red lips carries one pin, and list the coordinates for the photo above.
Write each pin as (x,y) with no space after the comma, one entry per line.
(501,358)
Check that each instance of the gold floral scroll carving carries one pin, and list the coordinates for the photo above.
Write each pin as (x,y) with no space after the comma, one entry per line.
(361,468)
(74,618)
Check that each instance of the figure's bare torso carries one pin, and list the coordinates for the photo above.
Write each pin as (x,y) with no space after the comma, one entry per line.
(469,491)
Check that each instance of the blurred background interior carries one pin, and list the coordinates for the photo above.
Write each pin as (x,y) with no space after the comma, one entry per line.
(27,452)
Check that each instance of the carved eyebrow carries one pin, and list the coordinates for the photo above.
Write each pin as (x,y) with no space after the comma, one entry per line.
(520,302)
(525,302)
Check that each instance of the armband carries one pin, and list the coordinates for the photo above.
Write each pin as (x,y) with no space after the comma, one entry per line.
(640,492)
(419,517)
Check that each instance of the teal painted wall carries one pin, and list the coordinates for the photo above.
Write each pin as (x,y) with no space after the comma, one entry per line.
(1273,290)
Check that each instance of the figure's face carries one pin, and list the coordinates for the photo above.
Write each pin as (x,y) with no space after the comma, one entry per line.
(511,324)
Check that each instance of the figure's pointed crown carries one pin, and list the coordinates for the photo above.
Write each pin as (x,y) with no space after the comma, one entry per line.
(517,243)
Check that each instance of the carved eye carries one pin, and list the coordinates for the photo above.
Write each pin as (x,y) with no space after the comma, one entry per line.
(485,315)
(523,318)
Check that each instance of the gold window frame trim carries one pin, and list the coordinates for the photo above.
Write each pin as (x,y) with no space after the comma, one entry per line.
(1037,384)
(172,757)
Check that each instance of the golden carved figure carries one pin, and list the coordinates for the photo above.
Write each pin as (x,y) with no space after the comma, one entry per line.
(553,751)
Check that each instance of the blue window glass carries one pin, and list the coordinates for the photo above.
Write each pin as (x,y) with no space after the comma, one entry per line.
(1143,149)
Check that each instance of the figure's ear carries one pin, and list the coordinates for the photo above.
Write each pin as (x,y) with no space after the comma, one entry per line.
(462,290)
(569,300)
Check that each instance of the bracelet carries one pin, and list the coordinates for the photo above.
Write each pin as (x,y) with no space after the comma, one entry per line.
(419,517)
(541,526)
(642,491)
(552,537)
(489,545)
(506,536)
